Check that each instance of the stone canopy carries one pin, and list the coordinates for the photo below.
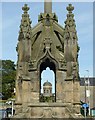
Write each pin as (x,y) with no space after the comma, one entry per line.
(48,44)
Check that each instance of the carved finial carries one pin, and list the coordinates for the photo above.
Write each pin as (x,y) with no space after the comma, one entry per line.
(25,8)
(25,27)
(70,8)
(70,22)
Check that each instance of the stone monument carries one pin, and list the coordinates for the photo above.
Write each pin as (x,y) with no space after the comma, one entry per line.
(47,44)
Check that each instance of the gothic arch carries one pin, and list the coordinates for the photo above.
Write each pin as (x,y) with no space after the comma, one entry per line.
(47,62)
(47,55)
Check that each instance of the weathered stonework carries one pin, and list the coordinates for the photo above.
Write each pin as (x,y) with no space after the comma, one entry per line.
(47,45)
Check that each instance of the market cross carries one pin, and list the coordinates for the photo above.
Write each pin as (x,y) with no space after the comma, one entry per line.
(47,44)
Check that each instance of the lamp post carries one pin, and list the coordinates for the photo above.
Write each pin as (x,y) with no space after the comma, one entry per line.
(12,100)
(88,90)
(85,97)
(12,107)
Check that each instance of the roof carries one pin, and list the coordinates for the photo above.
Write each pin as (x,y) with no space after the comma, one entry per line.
(47,84)
(91,81)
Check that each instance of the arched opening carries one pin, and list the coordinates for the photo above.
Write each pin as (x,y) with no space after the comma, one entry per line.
(50,76)
(47,81)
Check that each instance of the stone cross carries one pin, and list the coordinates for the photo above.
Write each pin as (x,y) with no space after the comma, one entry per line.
(47,6)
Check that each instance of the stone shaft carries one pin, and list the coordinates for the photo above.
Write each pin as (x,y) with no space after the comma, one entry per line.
(48,6)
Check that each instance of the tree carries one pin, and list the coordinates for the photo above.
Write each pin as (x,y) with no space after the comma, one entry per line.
(8,78)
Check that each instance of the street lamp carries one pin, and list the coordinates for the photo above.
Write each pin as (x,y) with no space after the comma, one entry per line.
(12,100)
(85,97)
(88,90)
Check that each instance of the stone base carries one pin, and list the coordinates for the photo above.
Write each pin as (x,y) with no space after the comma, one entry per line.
(45,110)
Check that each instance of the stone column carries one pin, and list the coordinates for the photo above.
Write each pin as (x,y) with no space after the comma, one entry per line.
(18,91)
(68,91)
(76,96)
(25,94)
(48,6)
(26,91)
(59,85)
(35,86)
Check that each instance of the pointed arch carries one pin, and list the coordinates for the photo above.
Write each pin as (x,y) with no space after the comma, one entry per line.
(44,64)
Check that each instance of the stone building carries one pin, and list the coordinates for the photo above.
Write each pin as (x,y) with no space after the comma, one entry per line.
(47,89)
(48,44)
(47,95)
(84,87)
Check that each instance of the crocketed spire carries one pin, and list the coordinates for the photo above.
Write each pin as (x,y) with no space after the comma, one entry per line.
(70,27)
(25,27)
(70,36)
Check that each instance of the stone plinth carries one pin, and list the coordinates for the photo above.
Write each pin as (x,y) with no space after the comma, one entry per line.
(46,110)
